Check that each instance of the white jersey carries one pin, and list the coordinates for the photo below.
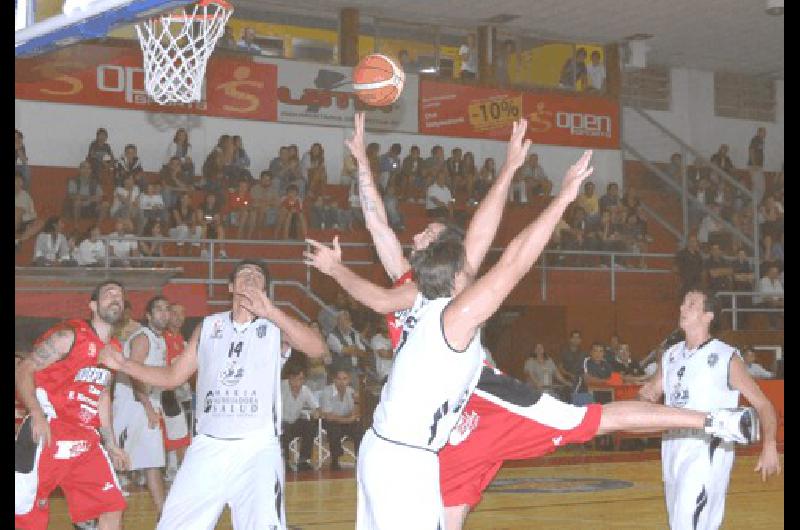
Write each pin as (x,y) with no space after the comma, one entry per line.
(238,377)
(156,356)
(429,382)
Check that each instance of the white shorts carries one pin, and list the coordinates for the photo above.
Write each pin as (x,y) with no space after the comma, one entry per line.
(696,473)
(246,474)
(144,445)
(398,487)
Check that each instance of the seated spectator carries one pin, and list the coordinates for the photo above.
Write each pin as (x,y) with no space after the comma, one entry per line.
(92,250)
(212,174)
(770,216)
(609,238)
(718,270)
(543,375)
(612,348)
(755,369)
(129,164)
(455,170)
(100,156)
(346,345)
(51,244)
(185,224)
(174,182)
(742,272)
(266,201)
(518,191)
(769,256)
(439,199)
(571,361)
(610,201)
(710,228)
(350,177)
(241,162)
(630,199)
(125,246)
(72,244)
(589,201)
(329,315)
(295,178)
(577,237)
(181,148)
(278,167)
(623,363)
(126,200)
(722,160)
(538,181)
(470,173)
(689,265)
(85,196)
(391,201)
(228,40)
(314,159)
(676,167)
(596,370)
(291,215)
(21,160)
(381,346)
(241,212)
(635,237)
(771,290)
(324,213)
(248,41)
(412,176)
(152,249)
(317,368)
(340,415)
(151,206)
(317,180)
(210,216)
(434,164)
(485,180)
(299,408)
(26,224)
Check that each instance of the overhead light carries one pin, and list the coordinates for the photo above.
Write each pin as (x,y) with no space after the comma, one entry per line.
(774,7)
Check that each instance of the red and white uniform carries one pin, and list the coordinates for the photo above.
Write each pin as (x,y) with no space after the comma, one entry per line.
(68,392)
(503,419)
(176,428)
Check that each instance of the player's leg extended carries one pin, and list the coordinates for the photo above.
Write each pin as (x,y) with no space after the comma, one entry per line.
(642,416)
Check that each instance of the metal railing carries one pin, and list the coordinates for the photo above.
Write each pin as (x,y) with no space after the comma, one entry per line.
(736,304)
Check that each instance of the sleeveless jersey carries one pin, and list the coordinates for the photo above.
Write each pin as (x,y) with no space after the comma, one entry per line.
(698,379)
(395,321)
(238,377)
(156,356)
(68,389)
(429,383)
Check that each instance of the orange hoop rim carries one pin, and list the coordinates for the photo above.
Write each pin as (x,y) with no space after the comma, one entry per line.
(226,6)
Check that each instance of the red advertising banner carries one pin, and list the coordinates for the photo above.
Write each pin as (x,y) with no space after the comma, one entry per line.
(449,109)
(113,77)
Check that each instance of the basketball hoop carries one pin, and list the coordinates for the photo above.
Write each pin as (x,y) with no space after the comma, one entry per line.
(176,48)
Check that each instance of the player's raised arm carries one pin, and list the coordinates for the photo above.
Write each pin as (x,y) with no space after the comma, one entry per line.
(741,380)
(390,252)
(486,220)
(380,299)
(167,377)
(296,334)
(477,302)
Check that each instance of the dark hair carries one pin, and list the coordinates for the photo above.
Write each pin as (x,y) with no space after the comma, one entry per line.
(595,344)
(396,148)
(257,263)
(148,309)
(267,173)
(129,146)
(101,130)
(175,138)
(293,369)
(99,287)
(574,331)
(292,187)
(436,266)
(50,224)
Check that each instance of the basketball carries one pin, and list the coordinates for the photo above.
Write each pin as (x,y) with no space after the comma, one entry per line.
(378,80)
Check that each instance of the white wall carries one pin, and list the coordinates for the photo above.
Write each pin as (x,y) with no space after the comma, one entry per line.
(692,119)
(59,135)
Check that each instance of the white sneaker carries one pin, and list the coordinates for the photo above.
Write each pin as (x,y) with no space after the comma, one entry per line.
(740,425)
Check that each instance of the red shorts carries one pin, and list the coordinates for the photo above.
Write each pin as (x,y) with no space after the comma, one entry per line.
(75,461)
(169,443)
(494,434)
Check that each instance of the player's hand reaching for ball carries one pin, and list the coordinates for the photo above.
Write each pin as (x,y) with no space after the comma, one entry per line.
(323,258)
(768,462)
(576,174)
(111,357)
(256,302)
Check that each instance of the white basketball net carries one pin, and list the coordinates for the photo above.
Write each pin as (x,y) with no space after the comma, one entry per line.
(176,50)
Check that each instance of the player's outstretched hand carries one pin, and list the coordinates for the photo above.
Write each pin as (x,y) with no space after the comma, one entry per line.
(517,146)
(111,357)
(40,429)
(768,462)
(576,174)
(321,257)
(257,302)
(356,143)
(119,458)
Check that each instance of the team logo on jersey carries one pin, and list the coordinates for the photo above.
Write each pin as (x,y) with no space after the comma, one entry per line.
(679,396)
(261,331)
(712,359)
(66,449)
(231,374)
(216,329)
(467,423)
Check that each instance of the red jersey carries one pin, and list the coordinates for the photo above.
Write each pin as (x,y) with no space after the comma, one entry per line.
(69,389)
(175,345)
(292,204)
(240,200)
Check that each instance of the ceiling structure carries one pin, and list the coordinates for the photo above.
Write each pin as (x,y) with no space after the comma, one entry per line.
(735,36)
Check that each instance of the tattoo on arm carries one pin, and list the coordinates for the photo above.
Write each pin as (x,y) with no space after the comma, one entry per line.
(52,349)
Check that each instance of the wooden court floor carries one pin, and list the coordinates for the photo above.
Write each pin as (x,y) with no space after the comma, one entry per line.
(617,495)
